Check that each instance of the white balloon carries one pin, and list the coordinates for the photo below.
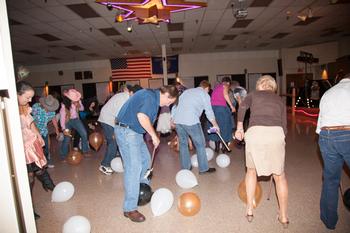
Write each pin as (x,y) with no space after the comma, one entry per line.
(117,164)
(77,224)
(212,145)
(194,160)
(62,192)
(186,179)
(210,153)
(223,160)
(162,200)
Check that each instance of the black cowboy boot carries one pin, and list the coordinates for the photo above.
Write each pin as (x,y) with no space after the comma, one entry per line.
(31,185)
(46,180)
(217,146)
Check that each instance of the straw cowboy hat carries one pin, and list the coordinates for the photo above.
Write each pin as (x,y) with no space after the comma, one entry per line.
(49,102)
(73,95)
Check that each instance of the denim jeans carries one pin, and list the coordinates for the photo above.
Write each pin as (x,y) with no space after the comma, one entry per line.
(136,159)
(46,148)
(111,150)
(78,126)
(197,136)
(335,149)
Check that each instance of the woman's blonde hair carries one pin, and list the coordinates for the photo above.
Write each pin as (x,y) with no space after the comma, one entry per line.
(266,83)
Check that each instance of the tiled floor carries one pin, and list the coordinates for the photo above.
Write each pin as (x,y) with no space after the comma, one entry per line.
(99,198)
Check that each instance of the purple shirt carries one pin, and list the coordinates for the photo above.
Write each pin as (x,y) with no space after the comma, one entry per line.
(217,97)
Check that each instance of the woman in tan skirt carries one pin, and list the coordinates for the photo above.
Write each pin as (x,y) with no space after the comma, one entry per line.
(265,144)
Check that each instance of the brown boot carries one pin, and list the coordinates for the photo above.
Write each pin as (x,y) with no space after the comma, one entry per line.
(135,216)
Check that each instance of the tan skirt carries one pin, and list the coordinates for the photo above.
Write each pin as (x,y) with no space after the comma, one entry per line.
(265,149)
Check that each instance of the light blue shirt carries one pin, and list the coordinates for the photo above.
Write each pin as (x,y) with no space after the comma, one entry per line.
(191,104)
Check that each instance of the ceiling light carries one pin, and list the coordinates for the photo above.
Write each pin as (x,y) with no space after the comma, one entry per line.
(302,17)
(309,13)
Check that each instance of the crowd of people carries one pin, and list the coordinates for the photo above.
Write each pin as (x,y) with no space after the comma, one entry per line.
(127,116)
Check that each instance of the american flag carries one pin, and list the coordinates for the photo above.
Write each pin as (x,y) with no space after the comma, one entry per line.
(139,67)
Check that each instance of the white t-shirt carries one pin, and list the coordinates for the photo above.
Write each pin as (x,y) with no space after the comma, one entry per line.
(111,109)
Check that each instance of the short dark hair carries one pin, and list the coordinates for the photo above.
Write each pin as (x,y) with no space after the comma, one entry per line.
(226,80)
(135,88)
(171,90)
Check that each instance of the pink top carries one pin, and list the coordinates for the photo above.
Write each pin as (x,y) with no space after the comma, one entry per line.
(217,97)
(32,143)
(73,113)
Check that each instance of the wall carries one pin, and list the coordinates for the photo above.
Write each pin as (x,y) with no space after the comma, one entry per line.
(326,53)
(212,64)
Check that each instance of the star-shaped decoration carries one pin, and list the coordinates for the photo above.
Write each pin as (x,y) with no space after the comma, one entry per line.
(150,11)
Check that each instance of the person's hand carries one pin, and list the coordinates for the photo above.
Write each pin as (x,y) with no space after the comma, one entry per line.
(155,141)
(239,134)
(217,128)
(233,109)
(67,132)
(172,124)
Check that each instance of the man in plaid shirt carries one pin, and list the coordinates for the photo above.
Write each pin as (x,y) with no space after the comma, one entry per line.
(44,112)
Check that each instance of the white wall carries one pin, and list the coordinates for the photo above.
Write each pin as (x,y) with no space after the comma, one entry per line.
(212,64)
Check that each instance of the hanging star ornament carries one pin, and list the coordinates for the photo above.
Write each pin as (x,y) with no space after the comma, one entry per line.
(150,11)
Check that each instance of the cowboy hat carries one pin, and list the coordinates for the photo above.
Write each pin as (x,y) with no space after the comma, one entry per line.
(49,102)
(73,95)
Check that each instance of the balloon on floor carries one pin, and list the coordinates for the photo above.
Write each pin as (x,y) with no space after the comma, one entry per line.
(62,192)
(117,165)
(194,160)
(243,195)
(186,179)
(189,204)
(145,194)
(74,157)
(77,224)
(223,160)
(210,153)
(96,140)
(162,200)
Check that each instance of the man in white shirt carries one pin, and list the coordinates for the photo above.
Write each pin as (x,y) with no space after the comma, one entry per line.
(333,127)
(107,119)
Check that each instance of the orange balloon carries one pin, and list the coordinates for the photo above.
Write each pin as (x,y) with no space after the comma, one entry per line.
(242,193)
(189,204)
(96,140)
(74,157)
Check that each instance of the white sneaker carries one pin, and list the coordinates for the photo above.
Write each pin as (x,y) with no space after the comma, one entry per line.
(106,170)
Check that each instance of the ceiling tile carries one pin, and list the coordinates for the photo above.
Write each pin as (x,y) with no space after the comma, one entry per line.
(75,47)
(109,31)
(242,23)
(48,37)
(260,3)
(175,27)
(124,43)
(83,10)
(176,40)
(280,35)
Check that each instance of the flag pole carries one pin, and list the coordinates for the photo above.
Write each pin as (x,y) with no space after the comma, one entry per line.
(165,67)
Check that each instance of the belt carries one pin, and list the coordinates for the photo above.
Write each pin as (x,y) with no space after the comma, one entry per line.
(335,128)
(122,125)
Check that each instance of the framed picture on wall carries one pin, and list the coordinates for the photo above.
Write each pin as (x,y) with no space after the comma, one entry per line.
(78,75)
(87,74)
(117,86)
(155,83)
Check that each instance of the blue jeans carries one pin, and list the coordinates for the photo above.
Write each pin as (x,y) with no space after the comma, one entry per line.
(46,148)
(112,148)
(136,159)
(79,127)
(335,149)
(197,136)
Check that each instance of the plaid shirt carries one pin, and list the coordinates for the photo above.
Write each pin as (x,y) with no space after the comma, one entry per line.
(41,118)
